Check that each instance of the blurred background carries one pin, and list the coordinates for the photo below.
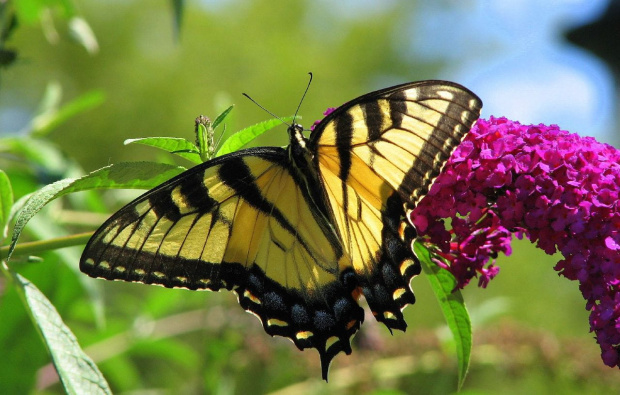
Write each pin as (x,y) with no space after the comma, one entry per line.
(533,61)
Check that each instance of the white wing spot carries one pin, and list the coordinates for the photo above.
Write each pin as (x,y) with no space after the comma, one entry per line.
(412,94)
(446,95)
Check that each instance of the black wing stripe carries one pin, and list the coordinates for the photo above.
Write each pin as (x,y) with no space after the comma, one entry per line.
(457,128)
(164,206)
(374,118)
(122,252)
(447,132)
(236,174)
(196,195)
(398,108)
(344,136)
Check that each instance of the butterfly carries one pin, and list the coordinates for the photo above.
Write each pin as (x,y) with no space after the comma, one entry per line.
(300,233)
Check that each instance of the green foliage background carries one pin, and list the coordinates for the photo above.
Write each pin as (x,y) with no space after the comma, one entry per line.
(531,327)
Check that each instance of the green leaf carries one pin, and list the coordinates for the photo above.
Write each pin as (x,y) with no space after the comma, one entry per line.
(82,33)
(244,136)
(40,151)
(31,11)
(177,11)
(77,372)
(222,116)
(6,202)
(132,175)
(51,116)
(51,98)
(175,145)
(453,307)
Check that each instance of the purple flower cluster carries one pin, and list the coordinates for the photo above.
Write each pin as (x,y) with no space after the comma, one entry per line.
(558,189)
(325,113)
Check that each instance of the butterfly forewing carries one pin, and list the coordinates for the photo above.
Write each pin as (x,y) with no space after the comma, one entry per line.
(242,222)
(375,154)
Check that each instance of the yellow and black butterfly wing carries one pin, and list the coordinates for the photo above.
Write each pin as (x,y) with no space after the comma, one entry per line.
(242,222)
(376,155)
(299,241)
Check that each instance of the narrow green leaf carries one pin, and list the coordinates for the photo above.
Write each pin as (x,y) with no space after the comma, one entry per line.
(51,98)
(29,12)
(222,116)
(132,175)
(40,151)
(244,136)
(49,236)
(82,33)
(8,26)
(453,307)
(175,145)
(177,11)
(6,202)
(78,373)
(51,116)
(32,11)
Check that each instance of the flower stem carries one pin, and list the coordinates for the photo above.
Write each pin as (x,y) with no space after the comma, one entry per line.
(35,247)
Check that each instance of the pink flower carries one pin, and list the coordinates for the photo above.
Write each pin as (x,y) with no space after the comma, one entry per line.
(558,189)
(326,113)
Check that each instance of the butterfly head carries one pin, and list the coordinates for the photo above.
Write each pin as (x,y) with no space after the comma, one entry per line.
(296,135)
(298,152)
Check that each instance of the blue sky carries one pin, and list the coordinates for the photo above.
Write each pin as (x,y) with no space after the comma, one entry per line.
(514,56)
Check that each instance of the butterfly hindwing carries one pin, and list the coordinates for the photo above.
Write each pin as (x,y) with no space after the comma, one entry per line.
(377,154)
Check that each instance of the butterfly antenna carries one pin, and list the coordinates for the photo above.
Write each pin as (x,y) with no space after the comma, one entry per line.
(267,111)
(303,97)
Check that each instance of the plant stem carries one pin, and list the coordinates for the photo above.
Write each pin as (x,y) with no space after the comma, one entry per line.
(35,247)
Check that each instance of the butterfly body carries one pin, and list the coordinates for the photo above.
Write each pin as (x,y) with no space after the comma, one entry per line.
(301,233)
